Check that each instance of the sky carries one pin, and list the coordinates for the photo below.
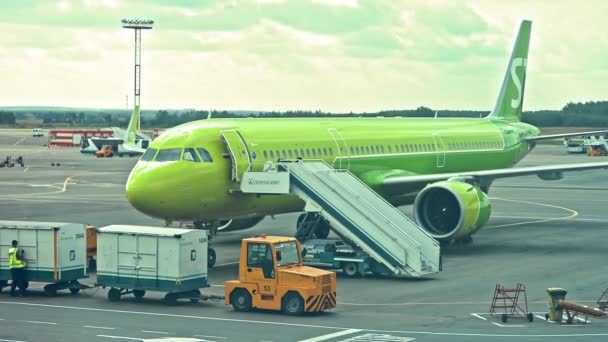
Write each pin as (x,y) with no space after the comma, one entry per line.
(330,55)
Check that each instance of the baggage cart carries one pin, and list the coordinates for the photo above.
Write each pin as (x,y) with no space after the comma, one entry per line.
(136,259)
(55,253)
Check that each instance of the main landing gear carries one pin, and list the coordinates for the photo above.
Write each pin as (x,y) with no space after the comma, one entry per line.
(312,225)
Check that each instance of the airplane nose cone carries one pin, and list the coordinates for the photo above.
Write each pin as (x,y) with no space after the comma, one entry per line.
(139,193)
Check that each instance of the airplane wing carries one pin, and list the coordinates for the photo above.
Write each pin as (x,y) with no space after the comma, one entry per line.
(546,172)
(565,135)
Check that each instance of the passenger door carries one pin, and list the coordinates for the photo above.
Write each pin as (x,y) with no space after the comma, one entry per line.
(239,154)
(440,148)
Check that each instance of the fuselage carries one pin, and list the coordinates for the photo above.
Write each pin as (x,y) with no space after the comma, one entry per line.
(186,173)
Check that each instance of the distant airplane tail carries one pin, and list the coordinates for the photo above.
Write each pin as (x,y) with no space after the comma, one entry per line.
(511,97)
(131,133)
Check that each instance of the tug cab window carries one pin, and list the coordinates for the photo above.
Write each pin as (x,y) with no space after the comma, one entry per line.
(190,155)
(149,154)
(171,154)
(205,155)
(260,256)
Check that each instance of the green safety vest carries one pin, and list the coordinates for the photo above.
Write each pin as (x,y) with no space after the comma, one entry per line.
(13,262)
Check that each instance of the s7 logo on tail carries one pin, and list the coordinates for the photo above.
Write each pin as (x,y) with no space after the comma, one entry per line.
(517,62)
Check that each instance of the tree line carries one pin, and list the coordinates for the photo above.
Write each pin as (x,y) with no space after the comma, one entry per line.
(573,114)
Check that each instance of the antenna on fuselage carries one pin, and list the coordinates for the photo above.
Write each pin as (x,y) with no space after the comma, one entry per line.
(436,112)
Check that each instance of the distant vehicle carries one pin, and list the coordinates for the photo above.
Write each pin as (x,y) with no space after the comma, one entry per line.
(106,151)
(575,145)
(37,132)
(337,255)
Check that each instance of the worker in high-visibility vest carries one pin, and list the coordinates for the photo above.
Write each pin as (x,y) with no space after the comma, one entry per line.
(16,263)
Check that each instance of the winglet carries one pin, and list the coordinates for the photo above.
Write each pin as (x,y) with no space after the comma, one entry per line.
(511,97)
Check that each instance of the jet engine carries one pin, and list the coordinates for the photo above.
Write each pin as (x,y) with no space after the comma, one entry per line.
(239,224)
(451,209)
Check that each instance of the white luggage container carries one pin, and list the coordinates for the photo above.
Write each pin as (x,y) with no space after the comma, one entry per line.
(133,259)
(55,253)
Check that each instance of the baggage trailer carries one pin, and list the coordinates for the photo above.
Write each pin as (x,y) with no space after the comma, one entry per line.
(55,253)
(136,259)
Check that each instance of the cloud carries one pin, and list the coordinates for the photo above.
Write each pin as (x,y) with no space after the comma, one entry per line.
(307,54)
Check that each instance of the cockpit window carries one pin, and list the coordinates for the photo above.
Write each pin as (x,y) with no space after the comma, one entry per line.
(171,154)
(205,155)
(149,154)
(189,155)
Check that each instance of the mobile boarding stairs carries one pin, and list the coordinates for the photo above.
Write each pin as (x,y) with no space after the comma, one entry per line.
(356,213)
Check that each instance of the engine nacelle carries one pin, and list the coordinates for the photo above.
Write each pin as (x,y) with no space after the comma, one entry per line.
(239,224)
(451,209)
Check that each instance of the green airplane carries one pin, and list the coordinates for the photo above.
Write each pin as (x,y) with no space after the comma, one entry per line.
(444,166)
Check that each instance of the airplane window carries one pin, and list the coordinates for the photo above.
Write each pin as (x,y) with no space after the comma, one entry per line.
(314,152)
(390,149)
(331,152)
(265,154)
(324,151)
(367,149)
(271,154)
(149,154)
(319,151)
(352,150)
(284,154)
(205,155)
(382,148)
(308,152)
(357,150)
(190,155)
(278,154)
(290,154)
(302,153)
(171,154)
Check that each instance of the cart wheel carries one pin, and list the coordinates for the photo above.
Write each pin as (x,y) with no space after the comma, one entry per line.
(50,290)
(503,318)
(570,320)
(350,269)
(74,290)
(547,316)
(211,257)
(240,300)
(530,317)
(114,295)
(171,299)
(139,294)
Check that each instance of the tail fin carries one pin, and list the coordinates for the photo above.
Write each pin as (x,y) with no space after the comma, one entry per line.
(511,97)
(131,133)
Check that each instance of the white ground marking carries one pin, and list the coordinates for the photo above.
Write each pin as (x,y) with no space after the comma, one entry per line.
(208,336)
(1,340)
(27,168)
(120,337)
(155,332)
(476,315)
(94,327)
(573,213)
(378,338)
(158,314)
(332,335)
(543,318)
(39,322)
(17,143)
(509,326)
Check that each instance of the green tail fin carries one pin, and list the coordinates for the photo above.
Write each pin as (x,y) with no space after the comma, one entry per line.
(511,96)
(131,133)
